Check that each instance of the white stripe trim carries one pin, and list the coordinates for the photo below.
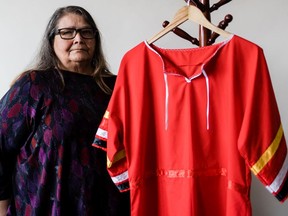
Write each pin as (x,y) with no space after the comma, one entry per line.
(278,181)
(120,178)
(102,133)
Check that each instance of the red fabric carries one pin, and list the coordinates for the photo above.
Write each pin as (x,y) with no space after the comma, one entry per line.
(189,144)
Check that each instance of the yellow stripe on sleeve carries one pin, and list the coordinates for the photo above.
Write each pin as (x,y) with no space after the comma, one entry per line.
(118,156)
(107,114)
(269,153)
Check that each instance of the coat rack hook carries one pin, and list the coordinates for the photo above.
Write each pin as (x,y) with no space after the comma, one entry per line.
(218,5)
(206,37)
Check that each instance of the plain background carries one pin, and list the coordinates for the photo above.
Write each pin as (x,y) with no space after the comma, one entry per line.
(126,23)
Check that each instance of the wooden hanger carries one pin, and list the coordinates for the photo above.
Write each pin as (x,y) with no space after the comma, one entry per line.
(189,12)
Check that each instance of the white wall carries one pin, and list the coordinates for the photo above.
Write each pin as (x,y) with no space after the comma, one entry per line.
(126,23)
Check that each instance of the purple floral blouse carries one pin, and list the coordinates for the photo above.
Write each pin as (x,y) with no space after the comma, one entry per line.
(47,163)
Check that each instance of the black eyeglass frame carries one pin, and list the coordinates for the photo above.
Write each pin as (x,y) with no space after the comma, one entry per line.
(75,31)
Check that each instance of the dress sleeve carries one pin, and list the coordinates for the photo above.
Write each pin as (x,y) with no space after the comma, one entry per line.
(261,141)
(16,114)
(109,135)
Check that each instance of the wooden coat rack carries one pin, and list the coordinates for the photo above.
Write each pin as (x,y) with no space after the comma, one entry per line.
(206,37)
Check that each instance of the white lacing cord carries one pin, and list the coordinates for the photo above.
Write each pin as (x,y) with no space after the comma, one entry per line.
(166,101)
(208,98)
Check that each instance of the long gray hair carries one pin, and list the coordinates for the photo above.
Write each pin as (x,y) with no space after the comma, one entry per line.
(47,59)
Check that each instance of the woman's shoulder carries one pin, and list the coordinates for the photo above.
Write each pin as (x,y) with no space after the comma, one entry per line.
(36,76)
(37,80)
(28,86)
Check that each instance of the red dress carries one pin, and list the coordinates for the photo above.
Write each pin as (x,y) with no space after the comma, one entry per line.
(185,127)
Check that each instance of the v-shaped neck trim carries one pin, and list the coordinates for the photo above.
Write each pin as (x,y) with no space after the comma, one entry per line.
(212,51)
(191,52)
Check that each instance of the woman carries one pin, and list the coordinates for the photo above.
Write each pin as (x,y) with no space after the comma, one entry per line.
(48,119)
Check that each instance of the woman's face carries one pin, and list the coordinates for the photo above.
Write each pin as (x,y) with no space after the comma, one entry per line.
(74,54)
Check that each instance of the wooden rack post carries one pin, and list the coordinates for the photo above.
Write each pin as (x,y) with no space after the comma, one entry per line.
(205,34)
(206,37)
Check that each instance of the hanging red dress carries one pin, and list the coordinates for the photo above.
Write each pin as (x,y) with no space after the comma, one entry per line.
(185,128)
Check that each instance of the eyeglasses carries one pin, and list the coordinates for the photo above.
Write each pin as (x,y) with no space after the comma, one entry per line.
(70,33)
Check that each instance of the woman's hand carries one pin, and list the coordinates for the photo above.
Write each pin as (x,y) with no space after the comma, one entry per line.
(3,207)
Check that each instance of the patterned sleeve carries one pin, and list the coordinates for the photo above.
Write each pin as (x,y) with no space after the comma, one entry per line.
(109,136)
(261,141)
(16,114)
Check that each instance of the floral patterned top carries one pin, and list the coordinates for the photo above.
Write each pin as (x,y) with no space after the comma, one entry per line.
(47,163)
